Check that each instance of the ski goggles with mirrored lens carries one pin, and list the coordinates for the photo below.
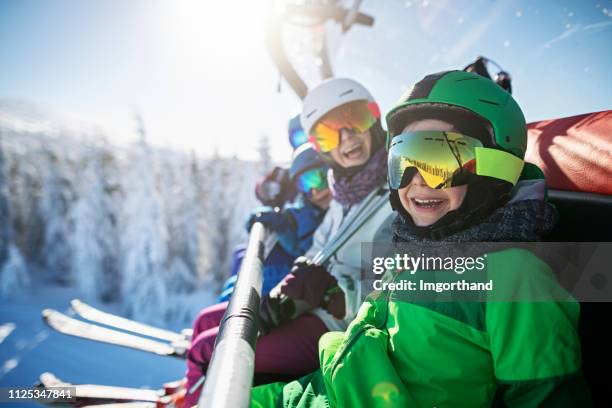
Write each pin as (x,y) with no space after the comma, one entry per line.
(444,159)
(297,137)
(358,116)
(315,178)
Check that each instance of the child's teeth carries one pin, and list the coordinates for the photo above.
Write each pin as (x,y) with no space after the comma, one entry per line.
(426,201)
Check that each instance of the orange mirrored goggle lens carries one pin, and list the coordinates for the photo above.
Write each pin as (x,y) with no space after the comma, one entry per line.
(358,116)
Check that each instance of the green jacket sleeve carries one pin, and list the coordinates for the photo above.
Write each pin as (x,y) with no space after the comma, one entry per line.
(362,374)
(534,340)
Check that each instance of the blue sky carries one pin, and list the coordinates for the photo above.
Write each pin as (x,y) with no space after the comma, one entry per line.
(200,75)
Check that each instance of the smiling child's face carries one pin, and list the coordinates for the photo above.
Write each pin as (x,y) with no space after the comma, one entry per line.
(425,204)
(353,149)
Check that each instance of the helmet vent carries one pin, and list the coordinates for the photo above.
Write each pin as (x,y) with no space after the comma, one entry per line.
(489,102)
(350,91)
(466,79)
(311,113)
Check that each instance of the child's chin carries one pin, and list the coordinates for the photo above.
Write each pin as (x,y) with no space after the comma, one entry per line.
(424,222)
(357,161)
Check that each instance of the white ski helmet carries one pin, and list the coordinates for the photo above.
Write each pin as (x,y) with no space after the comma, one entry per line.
(328,95)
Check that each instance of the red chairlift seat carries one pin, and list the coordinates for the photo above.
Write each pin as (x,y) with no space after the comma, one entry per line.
(575,154)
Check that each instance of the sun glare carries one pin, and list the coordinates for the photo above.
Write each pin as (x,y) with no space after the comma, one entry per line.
(213,34)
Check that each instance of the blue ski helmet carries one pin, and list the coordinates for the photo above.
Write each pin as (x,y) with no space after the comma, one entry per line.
(308,170)
(297,136)
(305,158)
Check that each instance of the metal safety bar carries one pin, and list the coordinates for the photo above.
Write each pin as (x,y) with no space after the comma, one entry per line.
(230,374)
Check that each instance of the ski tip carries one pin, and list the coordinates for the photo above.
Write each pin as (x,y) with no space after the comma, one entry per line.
(75,302)
(46,313)
(48,379)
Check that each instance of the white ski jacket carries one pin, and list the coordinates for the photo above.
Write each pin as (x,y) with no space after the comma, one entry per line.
(345,265)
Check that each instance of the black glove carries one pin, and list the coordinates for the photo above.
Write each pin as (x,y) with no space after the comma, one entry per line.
(272,218)
(276,188)
(315,285)
(274,311)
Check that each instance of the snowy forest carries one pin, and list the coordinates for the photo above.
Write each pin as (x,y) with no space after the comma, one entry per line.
(150,229)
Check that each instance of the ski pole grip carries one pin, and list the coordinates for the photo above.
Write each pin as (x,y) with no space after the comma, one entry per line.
(230,373)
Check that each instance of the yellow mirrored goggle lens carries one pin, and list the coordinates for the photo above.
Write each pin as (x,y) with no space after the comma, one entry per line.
(443,159)
(439,157)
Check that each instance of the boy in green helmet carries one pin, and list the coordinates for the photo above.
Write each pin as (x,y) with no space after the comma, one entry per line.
(456,171)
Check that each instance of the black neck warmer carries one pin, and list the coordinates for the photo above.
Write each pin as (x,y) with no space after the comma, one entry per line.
(519,221)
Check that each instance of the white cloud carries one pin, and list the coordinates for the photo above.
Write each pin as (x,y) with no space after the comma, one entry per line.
(578,29)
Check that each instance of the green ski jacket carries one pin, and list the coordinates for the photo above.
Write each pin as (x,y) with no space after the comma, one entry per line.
(402,353)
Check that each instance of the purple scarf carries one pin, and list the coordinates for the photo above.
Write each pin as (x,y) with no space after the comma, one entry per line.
(348,190)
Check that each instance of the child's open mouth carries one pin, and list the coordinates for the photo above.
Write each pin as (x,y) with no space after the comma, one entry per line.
(427,204)
(353,152)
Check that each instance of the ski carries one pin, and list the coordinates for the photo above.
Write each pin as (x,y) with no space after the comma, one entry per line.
(74,327)
(106,395)
(92,314)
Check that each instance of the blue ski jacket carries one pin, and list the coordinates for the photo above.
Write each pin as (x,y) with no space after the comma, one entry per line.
(302,219)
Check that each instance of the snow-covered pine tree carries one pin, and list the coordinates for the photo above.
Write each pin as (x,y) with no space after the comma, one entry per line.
(265,158)
(181,215)
(56,196)
(14,276)
(242,193)
(205,254)
(231,184)
(24,163)
(13,271)
(5,216)
(220,183)
(144,239)
(190,213)
(93,238)
(114,196)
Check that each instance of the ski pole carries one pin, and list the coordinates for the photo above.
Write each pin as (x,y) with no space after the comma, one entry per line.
(232,365)
(372,203)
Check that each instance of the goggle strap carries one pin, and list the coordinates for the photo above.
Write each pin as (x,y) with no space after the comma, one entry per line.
(498,164)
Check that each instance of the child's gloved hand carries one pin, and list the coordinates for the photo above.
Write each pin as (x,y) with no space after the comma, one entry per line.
(274,311)
(314,285)
(271,217)
(276,188)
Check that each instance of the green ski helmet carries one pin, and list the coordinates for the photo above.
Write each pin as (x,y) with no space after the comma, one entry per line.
(482,100)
